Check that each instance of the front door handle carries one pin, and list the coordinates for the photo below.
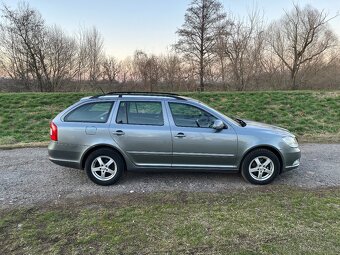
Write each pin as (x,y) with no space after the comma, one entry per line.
(118,132)
(180,134)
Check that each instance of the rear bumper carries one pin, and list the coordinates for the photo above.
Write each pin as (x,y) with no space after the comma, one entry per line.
(65,155)
(70,164)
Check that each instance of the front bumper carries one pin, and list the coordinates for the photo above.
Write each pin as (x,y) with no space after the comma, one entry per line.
(291,159)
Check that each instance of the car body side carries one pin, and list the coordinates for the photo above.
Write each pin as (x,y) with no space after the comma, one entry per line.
(76,140)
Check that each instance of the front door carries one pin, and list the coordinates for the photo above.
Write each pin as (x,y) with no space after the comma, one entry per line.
(196,144)
(142,131)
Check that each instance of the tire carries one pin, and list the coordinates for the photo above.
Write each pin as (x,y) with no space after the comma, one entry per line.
(99,172)
(260,167)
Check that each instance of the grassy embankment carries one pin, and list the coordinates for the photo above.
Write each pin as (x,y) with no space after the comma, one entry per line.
(261,221)
(314,116)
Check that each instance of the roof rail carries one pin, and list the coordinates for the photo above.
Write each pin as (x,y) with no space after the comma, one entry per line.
(121,94)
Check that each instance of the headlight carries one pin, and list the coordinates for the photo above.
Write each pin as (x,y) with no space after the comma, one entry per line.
(291,141)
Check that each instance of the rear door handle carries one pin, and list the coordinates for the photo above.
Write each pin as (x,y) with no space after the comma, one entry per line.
(118,132)
(180,134)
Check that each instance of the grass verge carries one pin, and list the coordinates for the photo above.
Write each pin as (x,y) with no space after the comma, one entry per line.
(313,116)
(264,221)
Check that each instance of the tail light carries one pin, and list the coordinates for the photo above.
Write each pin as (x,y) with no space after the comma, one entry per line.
(53,132)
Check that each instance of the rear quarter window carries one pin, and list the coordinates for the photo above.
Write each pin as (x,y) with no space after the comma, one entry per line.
(92,112)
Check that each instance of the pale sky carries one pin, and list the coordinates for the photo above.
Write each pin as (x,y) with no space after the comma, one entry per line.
(150,25)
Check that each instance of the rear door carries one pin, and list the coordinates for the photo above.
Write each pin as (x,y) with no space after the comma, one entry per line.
(142,130)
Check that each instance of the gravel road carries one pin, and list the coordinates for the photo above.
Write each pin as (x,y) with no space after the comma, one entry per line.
(28,177)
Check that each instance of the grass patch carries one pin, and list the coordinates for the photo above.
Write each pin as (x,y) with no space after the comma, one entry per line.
(281,221)
(311,115)
(25,117)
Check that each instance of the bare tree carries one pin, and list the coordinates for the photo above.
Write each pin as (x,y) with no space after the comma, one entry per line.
(126,71)
(197,36)
(273,75)
(213,51)
(111,69)
(94,50)
(33,52)
(171,65)
(148,68)
(140,60)
(241,41)
(81,56)
(300,36)
(23,33)
(221,59)
(60,57)
(13,62)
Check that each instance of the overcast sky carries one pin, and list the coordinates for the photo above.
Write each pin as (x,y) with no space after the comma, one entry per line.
(150,25)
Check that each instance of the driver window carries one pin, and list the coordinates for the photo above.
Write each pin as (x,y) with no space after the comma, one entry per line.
(185,115)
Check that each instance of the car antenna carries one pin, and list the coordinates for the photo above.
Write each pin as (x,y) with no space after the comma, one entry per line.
(102,90)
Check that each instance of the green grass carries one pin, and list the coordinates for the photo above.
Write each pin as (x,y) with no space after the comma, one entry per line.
(25,117)
(262,221)
(312,115)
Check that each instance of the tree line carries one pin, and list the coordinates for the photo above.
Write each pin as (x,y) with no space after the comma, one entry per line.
(215,50)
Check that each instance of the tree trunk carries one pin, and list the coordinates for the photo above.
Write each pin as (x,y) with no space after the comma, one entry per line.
(201,88)
(294,86)
(224,84)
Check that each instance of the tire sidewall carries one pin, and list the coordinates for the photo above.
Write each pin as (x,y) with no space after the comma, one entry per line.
(257,153)
(105,152)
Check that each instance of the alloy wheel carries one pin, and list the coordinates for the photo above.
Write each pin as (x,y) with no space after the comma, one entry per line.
(261,168)
(104,168)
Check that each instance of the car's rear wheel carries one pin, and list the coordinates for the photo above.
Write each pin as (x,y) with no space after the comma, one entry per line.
(260,166)
(104,166)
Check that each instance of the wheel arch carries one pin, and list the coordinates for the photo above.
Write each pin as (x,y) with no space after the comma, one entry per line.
(265,146)
(97,147)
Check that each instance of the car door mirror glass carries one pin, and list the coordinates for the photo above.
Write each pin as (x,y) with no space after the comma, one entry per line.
(218,125)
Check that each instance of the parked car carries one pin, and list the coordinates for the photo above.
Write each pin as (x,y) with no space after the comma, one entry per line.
(108,134)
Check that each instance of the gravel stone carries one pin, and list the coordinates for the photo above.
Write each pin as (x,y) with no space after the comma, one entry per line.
(29,178)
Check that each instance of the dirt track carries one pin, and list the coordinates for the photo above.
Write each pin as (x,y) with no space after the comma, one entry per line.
(28,177)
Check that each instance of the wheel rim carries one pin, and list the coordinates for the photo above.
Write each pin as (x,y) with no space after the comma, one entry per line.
(261,168)
(104,168)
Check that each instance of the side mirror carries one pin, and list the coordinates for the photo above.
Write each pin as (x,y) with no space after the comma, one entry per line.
(218,125)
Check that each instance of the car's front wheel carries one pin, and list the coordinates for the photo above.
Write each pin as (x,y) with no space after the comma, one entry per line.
(104,166)
(260,166)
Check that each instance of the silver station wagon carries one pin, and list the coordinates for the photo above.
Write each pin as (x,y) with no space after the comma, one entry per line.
(109,134)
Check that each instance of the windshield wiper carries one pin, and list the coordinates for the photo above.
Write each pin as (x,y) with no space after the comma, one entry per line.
(242,123)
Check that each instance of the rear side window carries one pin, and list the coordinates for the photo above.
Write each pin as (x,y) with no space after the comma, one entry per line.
(92,112)
(140,113)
